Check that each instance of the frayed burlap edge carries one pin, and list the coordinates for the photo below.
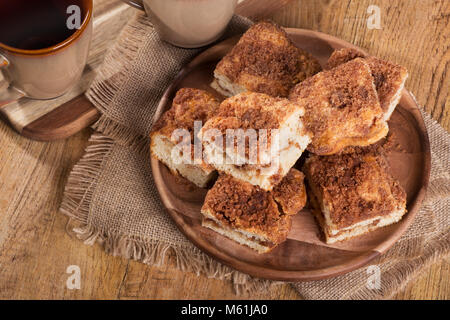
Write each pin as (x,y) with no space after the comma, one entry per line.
(110,78)
(121,134)
(401,272)
(76,205)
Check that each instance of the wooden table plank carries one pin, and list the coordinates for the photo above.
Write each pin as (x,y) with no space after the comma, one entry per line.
(252,8)
(35,249)
(414,33)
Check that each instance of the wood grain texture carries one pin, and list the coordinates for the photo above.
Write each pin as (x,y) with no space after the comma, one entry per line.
(259,9)
(414,33)
(35,249)
(64,121)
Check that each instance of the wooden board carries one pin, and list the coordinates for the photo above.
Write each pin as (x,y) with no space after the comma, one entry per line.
(62,117)
(304,256)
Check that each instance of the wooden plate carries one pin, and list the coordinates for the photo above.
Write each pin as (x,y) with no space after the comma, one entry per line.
(304,256)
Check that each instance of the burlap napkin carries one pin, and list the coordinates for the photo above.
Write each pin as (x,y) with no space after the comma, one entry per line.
(111,193)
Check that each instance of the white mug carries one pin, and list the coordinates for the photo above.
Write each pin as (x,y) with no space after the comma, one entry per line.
(188,23)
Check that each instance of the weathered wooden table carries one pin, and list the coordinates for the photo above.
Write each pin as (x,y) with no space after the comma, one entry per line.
(35,249)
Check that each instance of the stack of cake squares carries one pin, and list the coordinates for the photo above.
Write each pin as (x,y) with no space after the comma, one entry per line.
(272,104)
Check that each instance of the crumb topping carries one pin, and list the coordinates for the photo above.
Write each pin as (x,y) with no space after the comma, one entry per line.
(256,110)
(388,76)
(342,56)
(239,204)
(290,194)
(189,105)
(340,104)
(356,186)
(388,79)
(265,60)
(250,110)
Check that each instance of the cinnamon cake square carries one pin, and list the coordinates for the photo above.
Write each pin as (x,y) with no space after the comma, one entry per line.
(251,216)
(341,108)
(264,60)
(389,78)
(353,193)
(189,105)
(255,137)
